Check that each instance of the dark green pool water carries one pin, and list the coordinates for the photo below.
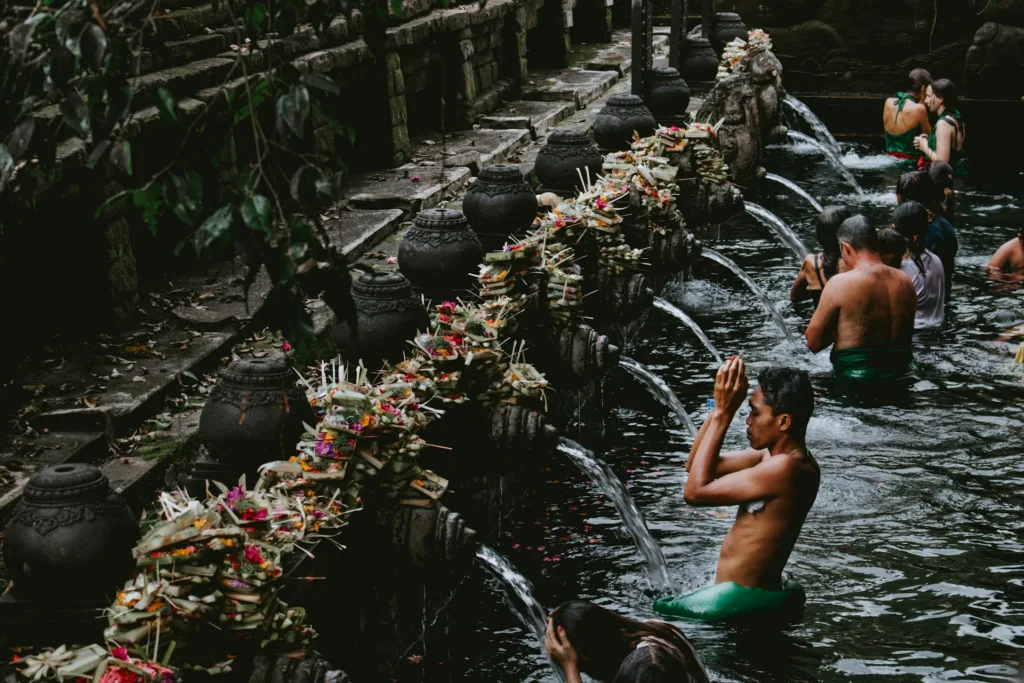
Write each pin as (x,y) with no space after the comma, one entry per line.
(913,555)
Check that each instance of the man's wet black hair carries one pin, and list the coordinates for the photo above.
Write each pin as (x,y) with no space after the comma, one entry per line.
(788,391)
(858,233)
(918,186)
(919,78)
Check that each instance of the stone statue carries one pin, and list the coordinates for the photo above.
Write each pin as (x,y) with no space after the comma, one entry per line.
(765,70)
(733,98)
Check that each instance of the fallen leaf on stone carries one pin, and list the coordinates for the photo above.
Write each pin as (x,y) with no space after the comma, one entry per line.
(259,354)
(415,179)
(414,659)
(34,388)
(392,260)
(115,373)
(429,142)
(206,295)
(138,378)
(195,334)
(207,30)
(91,401)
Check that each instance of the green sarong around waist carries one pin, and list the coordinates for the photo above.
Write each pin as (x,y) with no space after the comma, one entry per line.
(729,600)
(871,364)
(902,145)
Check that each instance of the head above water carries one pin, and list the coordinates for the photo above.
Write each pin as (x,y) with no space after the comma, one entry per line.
(941,95)
(920,79)
(653,664)
(603,639)
(910,219)
(829,221)
(780,407)
(917,186)
(891,247)
(941,175)
(856,236)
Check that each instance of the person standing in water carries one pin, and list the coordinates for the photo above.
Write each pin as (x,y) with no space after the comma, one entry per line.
(946,141)
(904,117)
(866,313)
(818,268)
(941,239)
(1009,258)
(891,247)
(774,483)
(941,175)
(923,267)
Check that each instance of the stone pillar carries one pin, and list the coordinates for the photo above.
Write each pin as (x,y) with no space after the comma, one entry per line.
(400,148)
(122,277)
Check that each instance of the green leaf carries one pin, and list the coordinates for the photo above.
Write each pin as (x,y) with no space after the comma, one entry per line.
(119,102)
(21,35)
(321,82)
(254,16)
(20,138)
(330,187)
(149,200)
(256,212)
(121,155)
(260,92)
(76,113)
(97,153)
(167,105)
(350,131)
(184,196)
(93,46)
(73,40)
(215,229)
(6,167)
(303,185)
(293,109)
(396,8)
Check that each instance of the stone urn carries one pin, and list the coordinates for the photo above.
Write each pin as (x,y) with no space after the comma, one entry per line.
(698,61)
(440,254)
(500,205)
(726,27)
(254,415)
(620,118)
(70,538)
(388,315)
(566,151)
(667,95)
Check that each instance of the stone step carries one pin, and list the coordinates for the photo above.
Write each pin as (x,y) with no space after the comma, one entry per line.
(185,80)
(181,52)
(356,232)
(474,149)
(191,21)
(580,87)
(534,116)
(411,188)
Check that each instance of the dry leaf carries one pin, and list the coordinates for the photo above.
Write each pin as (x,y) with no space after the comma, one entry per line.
(259,354)
(206,295)
(91,401)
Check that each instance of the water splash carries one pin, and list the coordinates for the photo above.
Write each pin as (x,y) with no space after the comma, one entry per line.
(632,518)
(831,156)
(870,162)
(731,265)
(660,390)
(779,227)
(681,316)
(519,594)
(820,130)
(796,189)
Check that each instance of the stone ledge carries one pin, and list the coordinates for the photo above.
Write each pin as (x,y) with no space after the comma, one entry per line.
(580,87)
(536,117)
(355,232)
(411,188)
(474,149)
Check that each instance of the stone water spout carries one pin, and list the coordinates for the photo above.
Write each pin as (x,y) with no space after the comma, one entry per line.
(428,537)
(520,431)
(584,354)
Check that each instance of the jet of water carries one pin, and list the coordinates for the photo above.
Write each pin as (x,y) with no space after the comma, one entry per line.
(786,182)
(660,390)
(820,130)
(765,301)
(601,474)
(831,156)
(519,594)
(681,316)
(779,227)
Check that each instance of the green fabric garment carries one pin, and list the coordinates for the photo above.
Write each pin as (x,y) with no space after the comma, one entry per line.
(730,600)
(871,364)
(953,117)
(902,144)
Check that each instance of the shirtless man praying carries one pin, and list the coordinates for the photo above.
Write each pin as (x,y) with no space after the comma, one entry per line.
(774,483)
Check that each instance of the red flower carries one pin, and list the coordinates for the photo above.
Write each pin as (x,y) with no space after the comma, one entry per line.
(120,653)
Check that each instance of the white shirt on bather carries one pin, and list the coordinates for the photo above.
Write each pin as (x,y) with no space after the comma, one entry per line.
(931,290)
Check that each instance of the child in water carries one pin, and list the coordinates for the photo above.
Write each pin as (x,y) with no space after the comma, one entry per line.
(891,247)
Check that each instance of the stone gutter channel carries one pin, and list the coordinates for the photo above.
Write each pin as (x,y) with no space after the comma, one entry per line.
(131,404)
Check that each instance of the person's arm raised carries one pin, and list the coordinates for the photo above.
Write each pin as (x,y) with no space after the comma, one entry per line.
(733,461)
(821,331)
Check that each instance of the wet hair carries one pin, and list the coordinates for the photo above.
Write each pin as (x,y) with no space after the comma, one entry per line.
(788,391)
(919,78)
(654,663)
(891,242)
(858,233)
(828,223)
(917,186)
(945,89)
(941,175)
(603,640)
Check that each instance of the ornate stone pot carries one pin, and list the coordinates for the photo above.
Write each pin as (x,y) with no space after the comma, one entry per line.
(567,149)
(70,537)
(667,95)
(388,314)
(616,123)
(254,415)
(440,254)
(698,61)
(725,27)
(500,204)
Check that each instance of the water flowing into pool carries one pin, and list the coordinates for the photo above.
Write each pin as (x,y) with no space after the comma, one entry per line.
(821,132)
(832,157)
(660,390)
(713,255)
(519,592)
(779,227)
(796,189)
(680,315)
(912,553)
(632,518)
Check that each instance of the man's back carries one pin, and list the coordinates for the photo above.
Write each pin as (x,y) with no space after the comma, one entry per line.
(876,306)
(1009,257)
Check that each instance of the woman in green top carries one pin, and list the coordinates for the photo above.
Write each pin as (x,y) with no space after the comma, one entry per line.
(905,117)
(946,141)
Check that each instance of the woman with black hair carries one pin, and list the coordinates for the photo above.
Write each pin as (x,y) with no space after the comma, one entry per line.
(584,637)
(946,141)
(910,219)
(904,117)
(816,269)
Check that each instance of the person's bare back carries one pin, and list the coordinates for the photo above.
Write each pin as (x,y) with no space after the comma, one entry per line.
(1009,257)
(872,305)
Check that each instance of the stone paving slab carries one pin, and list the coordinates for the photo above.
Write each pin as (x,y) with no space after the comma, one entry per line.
(474,149)
(410,188)
(356,232)
(618,58)
(536,117)
(580,86)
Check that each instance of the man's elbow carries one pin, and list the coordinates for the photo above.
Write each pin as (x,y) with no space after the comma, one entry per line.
(813,341)
(692,496)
